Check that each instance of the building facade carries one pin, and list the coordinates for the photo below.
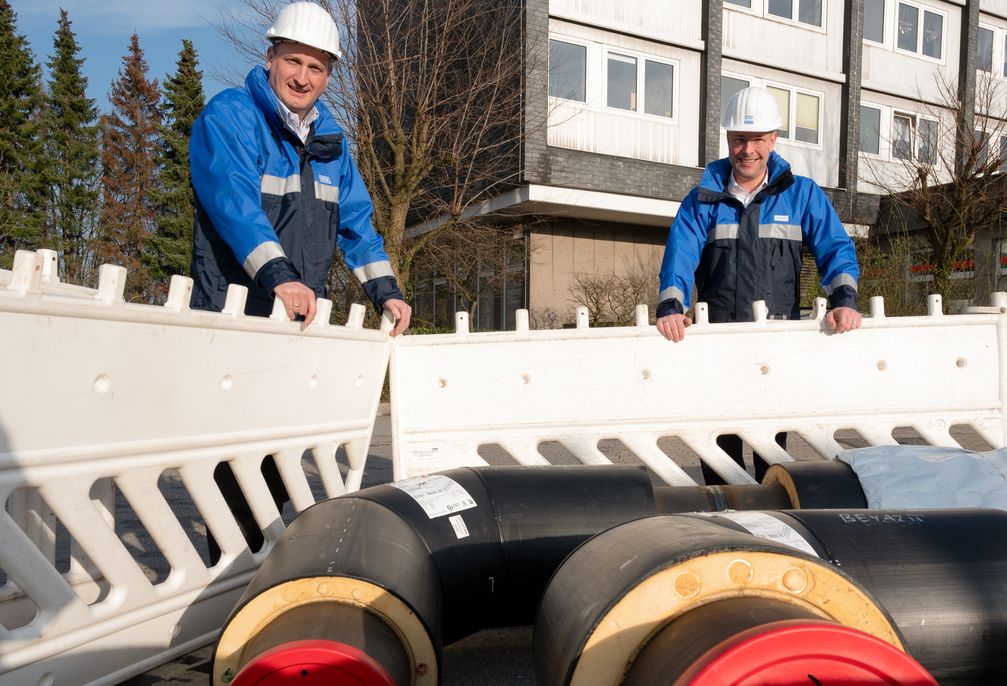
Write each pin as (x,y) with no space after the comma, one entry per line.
(623,104)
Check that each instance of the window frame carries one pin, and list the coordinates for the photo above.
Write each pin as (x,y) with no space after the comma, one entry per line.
(993,48)
(607,54)
(792,119)
(760,8)
(587,68)
(998,52)
(918,52)
(884,26)
(886,133)
(641,83)
(881,137)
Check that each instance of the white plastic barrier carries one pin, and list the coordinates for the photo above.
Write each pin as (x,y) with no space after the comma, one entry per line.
(102,396)
(457,395)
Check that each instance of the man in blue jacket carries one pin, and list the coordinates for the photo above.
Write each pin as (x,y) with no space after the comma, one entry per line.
(276,189)
(276,194)
(738,238)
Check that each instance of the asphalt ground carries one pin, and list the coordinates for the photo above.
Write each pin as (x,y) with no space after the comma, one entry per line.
(503,657)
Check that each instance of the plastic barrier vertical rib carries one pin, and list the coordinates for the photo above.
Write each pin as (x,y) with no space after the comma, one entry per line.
(520,396)
(113,418)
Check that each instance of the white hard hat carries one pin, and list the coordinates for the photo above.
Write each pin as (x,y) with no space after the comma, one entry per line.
(306,23)
(752,109)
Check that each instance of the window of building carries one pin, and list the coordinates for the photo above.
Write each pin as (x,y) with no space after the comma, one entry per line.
(658,87)
(729,87)
(927,130)
(629,81)
(984,50)
(898,135)
(982,146)
(806,121)
(800,111)
(782,97)
(1001,255)
(621,88)
(920,31)
(567,70)
(626,82)
(991,148)
(1005,55)
(870,130)
(874,20)
(806,12)
(902,137)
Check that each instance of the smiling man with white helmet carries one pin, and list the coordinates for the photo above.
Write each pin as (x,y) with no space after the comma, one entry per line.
(276,193)
(738,235)
(276,189)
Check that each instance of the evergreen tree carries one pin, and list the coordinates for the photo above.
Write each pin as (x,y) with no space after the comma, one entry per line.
(22,189)
(71,153)
(170,247)
(129,170)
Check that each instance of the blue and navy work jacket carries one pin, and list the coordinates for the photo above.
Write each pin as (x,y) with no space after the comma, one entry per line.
(736,255)
(271,209)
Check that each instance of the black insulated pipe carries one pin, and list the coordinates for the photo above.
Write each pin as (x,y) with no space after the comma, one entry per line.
(433,559)
(930,582)
(817,484)
(618,590)
(417,565)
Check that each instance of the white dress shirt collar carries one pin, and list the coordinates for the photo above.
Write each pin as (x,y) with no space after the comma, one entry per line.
(300,127)
(741,194)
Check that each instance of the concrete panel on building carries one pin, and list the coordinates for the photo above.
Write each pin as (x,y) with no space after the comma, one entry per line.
(761,37)
(570,249)
(669,22)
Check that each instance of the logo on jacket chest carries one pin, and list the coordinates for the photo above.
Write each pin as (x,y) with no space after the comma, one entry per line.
(781,217)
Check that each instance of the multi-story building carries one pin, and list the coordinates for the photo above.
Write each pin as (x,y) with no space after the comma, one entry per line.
(623,104)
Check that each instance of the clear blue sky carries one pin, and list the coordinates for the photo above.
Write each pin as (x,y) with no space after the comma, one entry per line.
(103,28)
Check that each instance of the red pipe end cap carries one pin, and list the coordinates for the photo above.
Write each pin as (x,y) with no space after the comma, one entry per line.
(313,663)
(805,653)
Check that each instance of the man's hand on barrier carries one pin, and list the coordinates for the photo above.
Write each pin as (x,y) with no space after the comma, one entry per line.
(298,300)
(842,319)
(401,312)
(673,326)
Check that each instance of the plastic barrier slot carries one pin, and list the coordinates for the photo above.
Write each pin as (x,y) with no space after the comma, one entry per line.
(113,417)
(597,395)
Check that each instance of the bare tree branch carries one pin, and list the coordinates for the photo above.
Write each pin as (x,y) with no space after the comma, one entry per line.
(956,190)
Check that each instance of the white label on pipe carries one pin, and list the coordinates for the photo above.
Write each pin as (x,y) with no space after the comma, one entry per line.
(437,494)
(770,528)
(461,531)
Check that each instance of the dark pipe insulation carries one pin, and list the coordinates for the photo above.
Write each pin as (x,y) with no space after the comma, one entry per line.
(405,581)
(931,582)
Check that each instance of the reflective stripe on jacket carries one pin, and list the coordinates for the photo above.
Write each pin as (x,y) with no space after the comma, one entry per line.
(270,209)
(736,255)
